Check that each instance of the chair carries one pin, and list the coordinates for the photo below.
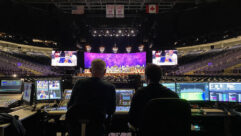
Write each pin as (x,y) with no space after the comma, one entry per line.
(166,117)
(85,123)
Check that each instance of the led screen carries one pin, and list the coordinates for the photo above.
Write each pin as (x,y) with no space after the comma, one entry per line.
(64,58)
(225,92)
(10,86)
(27,92)
(123,99)
(193,91)
(46,90)
(117,59)
(171,86)
(164,58)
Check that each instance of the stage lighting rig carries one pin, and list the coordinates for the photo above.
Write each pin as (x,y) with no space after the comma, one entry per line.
(114,32)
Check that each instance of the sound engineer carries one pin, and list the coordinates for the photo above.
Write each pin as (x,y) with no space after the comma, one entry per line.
(154,90)
(91,99)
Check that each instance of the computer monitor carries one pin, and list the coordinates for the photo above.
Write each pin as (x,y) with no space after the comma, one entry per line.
(123,99)
(11,86)
(42,90)
(225,92)
(54,90)
(27,93)
(48,90)
(171,86)
(144,84)
(193,91)
(67,94)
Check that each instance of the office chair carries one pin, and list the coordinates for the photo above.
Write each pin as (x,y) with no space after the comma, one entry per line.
(85,122)
(166,117)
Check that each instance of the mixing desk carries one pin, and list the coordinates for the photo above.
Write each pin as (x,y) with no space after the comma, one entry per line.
(7,99)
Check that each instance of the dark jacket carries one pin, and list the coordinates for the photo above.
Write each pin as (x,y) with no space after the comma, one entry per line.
(142,96)
(92,98)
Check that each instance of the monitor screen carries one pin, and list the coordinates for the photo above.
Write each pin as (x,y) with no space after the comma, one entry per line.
(10,86)
(123,99)
(171,86)
(225,92)
(67,94)
(193,91)
(165,58)
(144,84)
(27,92)
(54,89)
(64,58)
(42,90)
(118,62)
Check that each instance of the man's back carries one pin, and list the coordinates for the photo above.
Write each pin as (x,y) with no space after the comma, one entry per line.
(91,100)
(144,95)
(93,94)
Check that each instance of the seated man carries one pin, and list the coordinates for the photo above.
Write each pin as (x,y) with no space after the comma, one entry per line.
(143,95)
(92,99)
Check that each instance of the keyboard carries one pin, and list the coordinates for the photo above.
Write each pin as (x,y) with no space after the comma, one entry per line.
(57,110)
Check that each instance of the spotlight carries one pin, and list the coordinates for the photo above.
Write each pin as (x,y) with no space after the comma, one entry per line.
(88,48)
(107,31)
(115,49)
(141,47)
(95,31)
(128,49)
(14,75)
(132,31)
(119,31)
(117,35)
(102,49)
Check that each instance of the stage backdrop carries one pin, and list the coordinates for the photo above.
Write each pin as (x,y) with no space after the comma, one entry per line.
(116,59)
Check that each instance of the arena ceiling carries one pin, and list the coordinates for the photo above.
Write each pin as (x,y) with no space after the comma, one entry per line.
(100,5)
(51,19)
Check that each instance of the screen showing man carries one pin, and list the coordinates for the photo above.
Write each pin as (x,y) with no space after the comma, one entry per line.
(64,58)
(42,92)
(162,58)
(193,91)
(225,92)
(54,89)
(123,99)
(27,92)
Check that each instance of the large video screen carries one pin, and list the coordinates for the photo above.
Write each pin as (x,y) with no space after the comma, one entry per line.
(118,62)
(10,86)
(64,58)
(48,90)
(165,58)
(225,92)
(193,91)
